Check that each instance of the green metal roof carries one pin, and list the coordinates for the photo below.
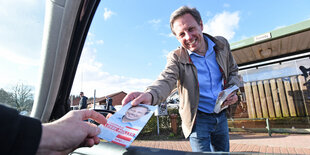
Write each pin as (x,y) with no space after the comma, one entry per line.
(302,26)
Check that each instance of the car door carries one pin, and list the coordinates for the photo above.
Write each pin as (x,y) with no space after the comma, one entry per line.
(65,29)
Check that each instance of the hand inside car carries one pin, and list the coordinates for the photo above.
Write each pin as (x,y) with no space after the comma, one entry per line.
(70,132)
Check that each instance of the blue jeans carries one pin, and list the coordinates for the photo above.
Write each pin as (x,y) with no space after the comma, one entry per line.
(210,129)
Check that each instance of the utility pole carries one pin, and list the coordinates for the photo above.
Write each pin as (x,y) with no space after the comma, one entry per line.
(94,99)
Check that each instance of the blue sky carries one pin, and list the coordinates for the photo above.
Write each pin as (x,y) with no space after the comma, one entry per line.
(128,41)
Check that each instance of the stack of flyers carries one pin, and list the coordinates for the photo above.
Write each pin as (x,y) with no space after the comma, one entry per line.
(222,98)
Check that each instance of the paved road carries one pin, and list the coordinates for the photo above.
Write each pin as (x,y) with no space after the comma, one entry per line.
(250,142)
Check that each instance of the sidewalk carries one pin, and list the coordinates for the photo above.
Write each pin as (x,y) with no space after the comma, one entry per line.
(251,142)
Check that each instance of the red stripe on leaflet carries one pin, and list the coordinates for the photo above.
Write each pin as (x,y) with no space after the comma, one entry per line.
(123,137)
(118,143)
(132,128)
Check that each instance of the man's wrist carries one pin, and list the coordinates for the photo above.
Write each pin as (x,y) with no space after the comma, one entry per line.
(152,98)
(46,141)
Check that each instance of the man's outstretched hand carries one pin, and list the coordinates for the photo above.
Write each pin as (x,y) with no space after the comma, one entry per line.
(137,98)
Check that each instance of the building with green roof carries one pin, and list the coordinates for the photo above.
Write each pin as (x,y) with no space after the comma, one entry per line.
(274,86)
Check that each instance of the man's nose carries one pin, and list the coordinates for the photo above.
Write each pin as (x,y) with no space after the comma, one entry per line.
(188,36)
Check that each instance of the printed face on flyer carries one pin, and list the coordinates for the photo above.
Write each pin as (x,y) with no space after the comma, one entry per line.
(134,113)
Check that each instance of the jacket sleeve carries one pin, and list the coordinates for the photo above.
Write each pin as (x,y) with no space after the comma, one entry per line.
(232,67)
(19,134)
(166,81)
(233,77)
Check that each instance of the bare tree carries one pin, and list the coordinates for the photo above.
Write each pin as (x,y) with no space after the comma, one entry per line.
(22,98)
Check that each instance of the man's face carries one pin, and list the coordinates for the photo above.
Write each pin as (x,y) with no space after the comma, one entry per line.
(135,113)
(189,33)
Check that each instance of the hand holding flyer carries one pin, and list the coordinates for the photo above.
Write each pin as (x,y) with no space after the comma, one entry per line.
(222,98)
(124,126)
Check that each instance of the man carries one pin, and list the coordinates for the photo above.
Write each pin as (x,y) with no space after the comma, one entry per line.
(83,101)
(24,135)
(135,113)
(202,67)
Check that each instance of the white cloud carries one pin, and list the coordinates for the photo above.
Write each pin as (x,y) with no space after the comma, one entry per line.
(170,35)
(107,13)
(21,26)
(244,37)
(223,24)
(279,27)
(100,42)
(165,53)
(21,30)
(18,59)
(90,75)
(91,40)
(209,13)
(155,23)
(226,5)
(19,4)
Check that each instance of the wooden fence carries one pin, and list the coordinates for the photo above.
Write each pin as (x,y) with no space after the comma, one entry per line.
(280,97)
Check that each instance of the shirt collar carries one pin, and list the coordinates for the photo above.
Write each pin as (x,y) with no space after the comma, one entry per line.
(211,45)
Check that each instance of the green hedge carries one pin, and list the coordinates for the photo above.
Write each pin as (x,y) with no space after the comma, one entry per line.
(150,129)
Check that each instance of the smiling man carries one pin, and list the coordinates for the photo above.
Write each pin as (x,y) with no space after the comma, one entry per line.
(201,68)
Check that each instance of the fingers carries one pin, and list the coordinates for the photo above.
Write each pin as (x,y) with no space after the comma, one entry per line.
(93,115)
(223,105)
(96,140)
(132,97)
(232,99)
(109,115)
(226,103)
(90,141)
(136,101)
(145,98)
(231,95)
(92,130)
(129,97)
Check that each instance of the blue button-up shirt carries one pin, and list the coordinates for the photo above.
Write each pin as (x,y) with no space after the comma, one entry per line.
(209,77)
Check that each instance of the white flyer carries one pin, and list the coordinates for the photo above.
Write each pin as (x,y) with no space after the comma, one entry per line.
(222,98)
(124,126)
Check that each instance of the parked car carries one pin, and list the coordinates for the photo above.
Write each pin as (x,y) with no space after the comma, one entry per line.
(173,99)
(118,107)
